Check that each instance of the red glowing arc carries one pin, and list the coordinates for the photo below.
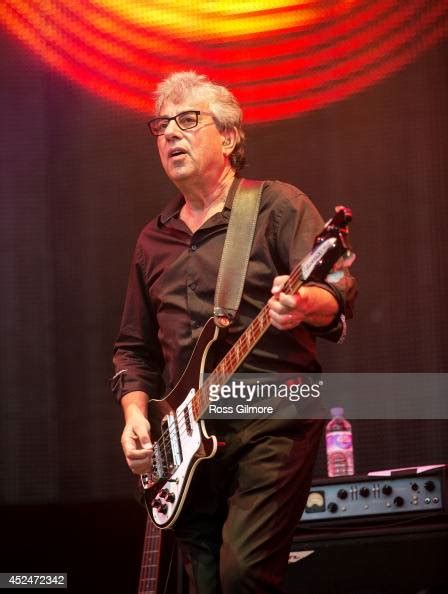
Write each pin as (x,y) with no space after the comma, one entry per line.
(302,56)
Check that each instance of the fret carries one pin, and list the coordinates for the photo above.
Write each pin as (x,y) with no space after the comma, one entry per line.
(244,341)
(148,565)
(237,350)
(250,333)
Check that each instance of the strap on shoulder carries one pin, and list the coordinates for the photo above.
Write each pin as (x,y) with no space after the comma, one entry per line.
(236,251)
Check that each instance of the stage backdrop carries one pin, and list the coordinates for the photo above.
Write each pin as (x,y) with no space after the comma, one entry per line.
(349,103)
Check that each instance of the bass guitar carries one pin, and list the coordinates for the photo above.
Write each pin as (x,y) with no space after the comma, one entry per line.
(180,440)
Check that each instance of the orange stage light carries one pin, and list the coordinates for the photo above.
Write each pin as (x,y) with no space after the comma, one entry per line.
(280,57)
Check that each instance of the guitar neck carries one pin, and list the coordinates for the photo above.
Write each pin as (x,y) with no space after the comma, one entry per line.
(243,346)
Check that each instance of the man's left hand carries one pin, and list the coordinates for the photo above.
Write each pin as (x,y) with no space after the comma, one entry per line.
(311,304)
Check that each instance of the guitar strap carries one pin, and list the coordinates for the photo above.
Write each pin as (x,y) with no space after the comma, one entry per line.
(236,251)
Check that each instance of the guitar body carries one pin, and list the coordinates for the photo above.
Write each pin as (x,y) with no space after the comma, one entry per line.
(180,441)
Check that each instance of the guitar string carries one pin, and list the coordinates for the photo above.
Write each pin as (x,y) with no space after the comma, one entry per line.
(178,430)
(173,548)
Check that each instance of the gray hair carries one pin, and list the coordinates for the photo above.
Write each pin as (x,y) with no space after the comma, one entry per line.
(223,104)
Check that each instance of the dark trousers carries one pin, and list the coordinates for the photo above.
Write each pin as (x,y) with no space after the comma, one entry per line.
(236,528)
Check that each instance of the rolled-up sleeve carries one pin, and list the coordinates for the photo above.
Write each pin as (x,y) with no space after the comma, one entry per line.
(298,224)
(138,359)
(345,291)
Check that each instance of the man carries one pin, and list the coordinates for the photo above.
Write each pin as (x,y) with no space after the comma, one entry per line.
(237,524)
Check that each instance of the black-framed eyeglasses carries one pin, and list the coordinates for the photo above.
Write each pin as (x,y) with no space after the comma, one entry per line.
(186,120)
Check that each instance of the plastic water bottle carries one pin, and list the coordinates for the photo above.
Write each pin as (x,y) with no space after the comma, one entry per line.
(339,445)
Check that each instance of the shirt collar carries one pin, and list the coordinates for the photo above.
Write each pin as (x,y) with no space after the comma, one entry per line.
(175,204)
(231,195)
(171,209)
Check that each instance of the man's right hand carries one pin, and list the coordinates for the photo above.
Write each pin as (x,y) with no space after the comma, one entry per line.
(136,444)
(135,439)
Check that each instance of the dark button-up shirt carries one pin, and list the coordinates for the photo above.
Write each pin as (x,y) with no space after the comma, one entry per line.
(172,283)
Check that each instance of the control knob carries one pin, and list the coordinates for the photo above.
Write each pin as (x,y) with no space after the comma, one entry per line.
(430,486)
(160,506)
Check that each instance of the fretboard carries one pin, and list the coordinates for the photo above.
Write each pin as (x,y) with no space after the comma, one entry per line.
(149,571)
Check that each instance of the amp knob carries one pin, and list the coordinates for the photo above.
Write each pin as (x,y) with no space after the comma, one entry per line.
(332,507)
(364,492)
(342,494)
(387,490)
(430,486)
(398,501)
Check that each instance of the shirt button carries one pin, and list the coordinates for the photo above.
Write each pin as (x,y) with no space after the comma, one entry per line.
(193,286)
(194,247)
(196,324)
